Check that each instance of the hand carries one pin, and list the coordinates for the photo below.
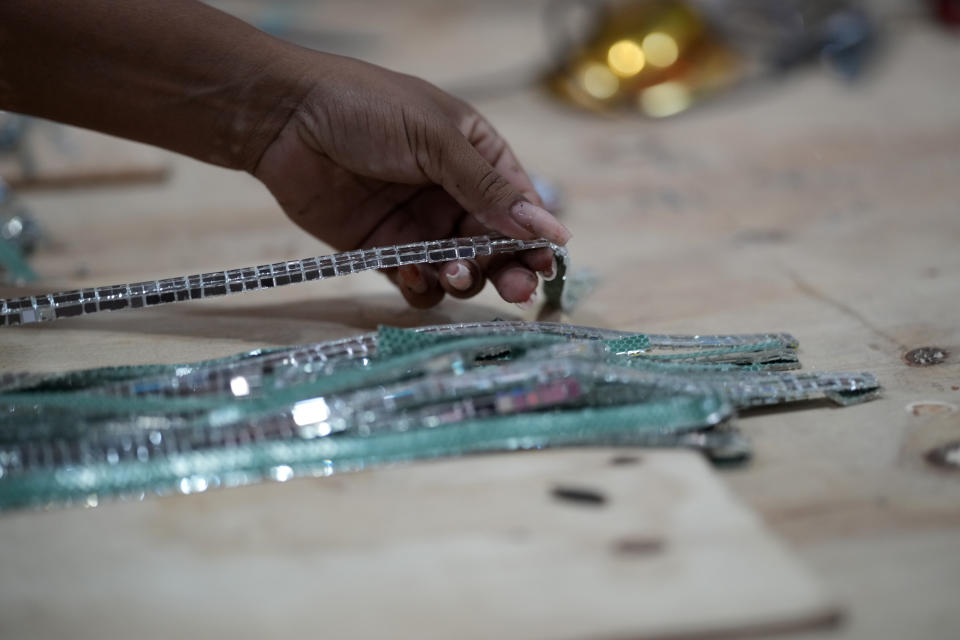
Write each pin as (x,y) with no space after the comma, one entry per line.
(371,157)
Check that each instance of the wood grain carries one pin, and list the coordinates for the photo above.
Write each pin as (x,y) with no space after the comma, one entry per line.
(810,206)
(477,548)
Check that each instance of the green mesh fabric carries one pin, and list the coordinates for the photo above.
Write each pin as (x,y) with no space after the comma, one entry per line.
(628,344)
(392,341)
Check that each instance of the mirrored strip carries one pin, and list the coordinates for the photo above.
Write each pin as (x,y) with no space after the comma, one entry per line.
(49,307)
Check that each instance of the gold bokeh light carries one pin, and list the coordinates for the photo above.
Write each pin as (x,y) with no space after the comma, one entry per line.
(660,49)
(625,58)
(599,81)
(665,99)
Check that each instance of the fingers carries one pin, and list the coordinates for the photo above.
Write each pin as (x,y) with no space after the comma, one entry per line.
(498,153)
(514,282)
(418,284)
(462,278)
(423,286)
(486,194)
(540,260)
(514,276)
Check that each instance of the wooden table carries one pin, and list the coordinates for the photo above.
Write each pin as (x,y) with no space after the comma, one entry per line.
(826,210)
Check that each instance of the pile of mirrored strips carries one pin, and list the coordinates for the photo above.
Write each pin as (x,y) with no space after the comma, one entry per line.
(386,397)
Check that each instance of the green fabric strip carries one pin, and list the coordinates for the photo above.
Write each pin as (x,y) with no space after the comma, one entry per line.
(14,264)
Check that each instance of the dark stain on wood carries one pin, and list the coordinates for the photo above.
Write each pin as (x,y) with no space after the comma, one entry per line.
(946,457)
(638,546)
(925,356)
(580,495)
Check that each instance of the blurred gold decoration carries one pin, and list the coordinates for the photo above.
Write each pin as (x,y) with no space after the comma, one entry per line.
(664,99)
(626,58)
(661,49)
(598,81)
(661,57)
(655,56)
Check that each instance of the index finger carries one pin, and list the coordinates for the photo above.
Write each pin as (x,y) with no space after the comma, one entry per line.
(495,150)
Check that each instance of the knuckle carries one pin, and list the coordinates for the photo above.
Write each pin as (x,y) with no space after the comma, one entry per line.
(424,138)
(493,187)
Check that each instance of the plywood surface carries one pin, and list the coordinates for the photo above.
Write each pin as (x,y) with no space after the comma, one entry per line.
(477,548)
(809,206)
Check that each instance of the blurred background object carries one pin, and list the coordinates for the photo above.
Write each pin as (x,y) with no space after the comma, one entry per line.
(39,154)
(655,57)
(660,57)
(549,192)
(13,134)
(19,236)
(947,11)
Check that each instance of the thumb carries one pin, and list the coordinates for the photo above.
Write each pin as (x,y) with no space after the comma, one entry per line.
(484,193)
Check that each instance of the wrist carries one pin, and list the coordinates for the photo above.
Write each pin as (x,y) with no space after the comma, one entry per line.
(267,101)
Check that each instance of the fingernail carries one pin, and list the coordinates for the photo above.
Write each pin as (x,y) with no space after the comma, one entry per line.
(528,303)
(412,279)
(460,279)
(552,273)
(539,221)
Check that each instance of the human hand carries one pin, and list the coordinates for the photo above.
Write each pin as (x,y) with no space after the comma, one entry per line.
(357,155)
(371,157)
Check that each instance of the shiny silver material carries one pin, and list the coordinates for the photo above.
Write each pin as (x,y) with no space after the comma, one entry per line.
(46,308)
